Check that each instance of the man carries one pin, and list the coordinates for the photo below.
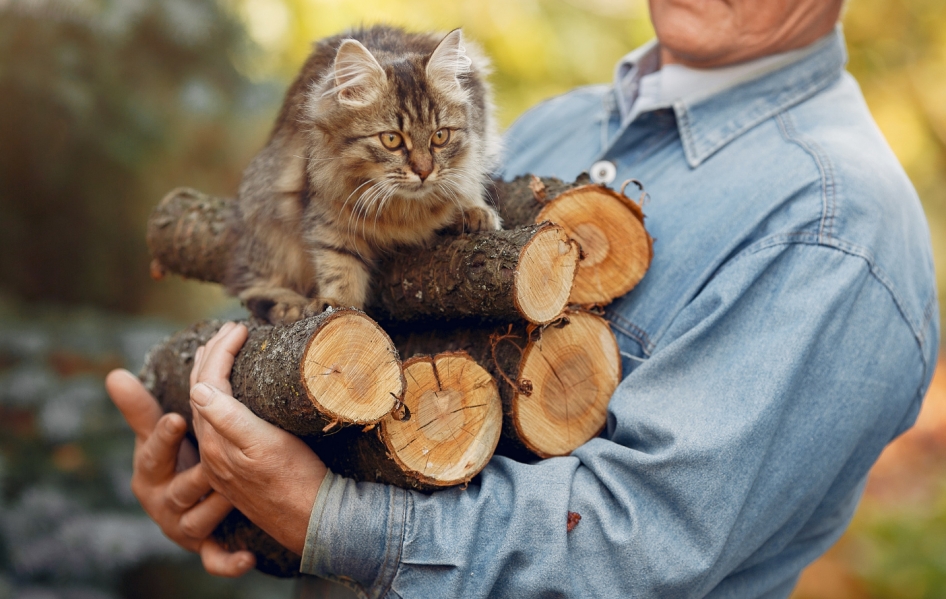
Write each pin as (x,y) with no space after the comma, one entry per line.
(786,331)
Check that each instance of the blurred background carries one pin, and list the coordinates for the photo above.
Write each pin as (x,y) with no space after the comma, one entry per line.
(105,105)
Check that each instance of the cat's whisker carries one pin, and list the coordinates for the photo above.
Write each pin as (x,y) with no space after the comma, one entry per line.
(451,188)
(352,213)
(322,159)
(472,185)
(363,205)
(379,201)
(392,189)
(466,178)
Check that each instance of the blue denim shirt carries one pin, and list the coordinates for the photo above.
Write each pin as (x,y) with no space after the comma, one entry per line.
(786,332)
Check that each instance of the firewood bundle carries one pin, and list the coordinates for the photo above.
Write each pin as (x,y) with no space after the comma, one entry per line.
(502,352)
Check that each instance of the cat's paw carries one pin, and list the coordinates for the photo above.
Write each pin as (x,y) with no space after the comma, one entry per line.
(276,305)
(317,305)
(285,313)
(477,218)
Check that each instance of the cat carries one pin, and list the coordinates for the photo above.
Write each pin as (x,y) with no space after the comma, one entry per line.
(384,138)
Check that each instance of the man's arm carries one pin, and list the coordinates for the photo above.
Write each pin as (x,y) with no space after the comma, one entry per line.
(738,446)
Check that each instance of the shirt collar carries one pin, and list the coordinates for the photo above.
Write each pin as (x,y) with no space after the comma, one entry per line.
(715,106)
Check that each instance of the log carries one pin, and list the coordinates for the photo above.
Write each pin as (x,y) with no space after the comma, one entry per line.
(309,378)
(554,382)
(444,434)
(526,273)
(192,234)
(616,249)
(553,385)
(333,369)
(237,533)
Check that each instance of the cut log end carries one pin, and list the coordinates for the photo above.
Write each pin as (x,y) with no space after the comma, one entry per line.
(573,370)
(616,249)
(455,420)
(546,275)
(351,369)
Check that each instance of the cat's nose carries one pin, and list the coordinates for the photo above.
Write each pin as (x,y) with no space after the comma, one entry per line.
(422,167)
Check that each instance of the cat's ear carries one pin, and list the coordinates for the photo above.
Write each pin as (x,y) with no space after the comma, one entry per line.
(358,75)
(449,60)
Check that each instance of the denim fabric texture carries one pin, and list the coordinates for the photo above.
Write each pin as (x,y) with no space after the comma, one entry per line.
(786,331)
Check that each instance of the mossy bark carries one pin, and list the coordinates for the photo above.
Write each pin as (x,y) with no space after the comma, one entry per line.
(268,375)
(479,274)
(192,234)
(237,533)
(521,200)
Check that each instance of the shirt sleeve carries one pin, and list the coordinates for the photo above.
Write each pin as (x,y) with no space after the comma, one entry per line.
(733,456)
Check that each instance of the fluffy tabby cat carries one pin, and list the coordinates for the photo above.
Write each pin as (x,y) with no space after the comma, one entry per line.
(384,138)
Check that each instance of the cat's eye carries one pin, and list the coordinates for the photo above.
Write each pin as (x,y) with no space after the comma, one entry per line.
(441,137)
(391,140)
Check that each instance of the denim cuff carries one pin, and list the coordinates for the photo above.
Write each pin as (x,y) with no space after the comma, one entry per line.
(355,534)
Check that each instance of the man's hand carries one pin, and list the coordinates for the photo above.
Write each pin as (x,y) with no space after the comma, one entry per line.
(268,474)
(182,503)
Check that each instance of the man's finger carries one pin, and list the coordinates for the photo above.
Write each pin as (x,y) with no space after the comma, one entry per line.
(187,488)
(156,457)
(228,417)
(219,356)
(219,562)
(203,518)
(212,343)
(198,362)
(134,402)
(187,456)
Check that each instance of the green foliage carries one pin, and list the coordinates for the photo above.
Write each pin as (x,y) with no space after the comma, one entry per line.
(902,553)
(539,48)
(91,94)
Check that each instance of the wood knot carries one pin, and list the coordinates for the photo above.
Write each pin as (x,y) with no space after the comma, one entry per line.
(539,192)
(525,387)
(158,271)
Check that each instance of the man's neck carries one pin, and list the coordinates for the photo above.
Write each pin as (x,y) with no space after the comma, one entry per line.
(668,56)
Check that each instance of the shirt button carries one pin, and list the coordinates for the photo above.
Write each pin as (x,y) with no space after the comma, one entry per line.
(603,172)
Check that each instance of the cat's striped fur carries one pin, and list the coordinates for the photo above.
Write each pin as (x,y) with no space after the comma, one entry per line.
(384,138)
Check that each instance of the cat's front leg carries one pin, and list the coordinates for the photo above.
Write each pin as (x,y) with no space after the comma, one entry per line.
(476,218)
(276,305)
(343,278)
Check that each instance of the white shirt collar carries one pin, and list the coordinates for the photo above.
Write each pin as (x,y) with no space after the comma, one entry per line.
(643,85)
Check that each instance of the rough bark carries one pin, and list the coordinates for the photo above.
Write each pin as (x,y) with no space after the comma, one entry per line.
(236,532)
(521,200)
(191,233)
(554,382)
(333,369)
(616,249)
(308,378)
(523,273)
(444,434)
